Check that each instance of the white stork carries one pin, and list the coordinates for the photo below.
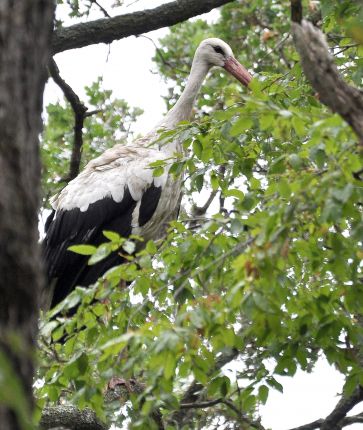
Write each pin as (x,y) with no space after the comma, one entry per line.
(118,192)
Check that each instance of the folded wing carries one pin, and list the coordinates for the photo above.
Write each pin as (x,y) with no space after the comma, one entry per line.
(115,192)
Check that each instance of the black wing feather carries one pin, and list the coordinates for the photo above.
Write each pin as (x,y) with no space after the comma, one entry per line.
(149,203)
(65,269)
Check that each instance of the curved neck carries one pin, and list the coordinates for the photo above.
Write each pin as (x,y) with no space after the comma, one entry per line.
(182,109)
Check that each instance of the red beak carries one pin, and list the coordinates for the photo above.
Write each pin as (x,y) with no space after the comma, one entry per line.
(237,70)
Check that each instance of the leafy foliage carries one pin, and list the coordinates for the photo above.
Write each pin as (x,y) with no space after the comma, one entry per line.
(270,276)
(108,125)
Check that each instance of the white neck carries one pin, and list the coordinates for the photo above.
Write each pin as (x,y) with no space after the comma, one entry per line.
(182,109)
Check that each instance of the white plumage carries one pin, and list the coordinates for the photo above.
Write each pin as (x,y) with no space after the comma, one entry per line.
(109,175)
(117,191)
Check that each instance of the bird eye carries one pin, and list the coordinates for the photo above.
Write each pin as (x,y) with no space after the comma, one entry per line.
(218,49)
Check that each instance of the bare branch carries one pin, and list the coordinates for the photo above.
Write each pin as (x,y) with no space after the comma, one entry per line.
(242,417)
(79,110)
(325,78)
(194,392)
(198,211)
(106,30)
(101,8)
(207,404)
(201,405)
(161,56)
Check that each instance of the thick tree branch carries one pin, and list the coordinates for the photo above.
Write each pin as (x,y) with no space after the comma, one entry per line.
(344,405)
(106,30)
(79,110)
(325,78)
(347,421)
(71,418)
(337,419)
(207,404)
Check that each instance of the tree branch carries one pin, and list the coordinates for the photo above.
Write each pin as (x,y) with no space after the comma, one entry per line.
(337,419)
(195,390)
(325,78)
(71,418)
(207,404)
(101,8)
(344,405)
(201,405)
(79,110)
(106,30)
(242,417)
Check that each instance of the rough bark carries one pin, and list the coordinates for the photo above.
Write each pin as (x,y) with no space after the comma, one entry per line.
(25,30)
(319,68)
(71,418)
(106,30)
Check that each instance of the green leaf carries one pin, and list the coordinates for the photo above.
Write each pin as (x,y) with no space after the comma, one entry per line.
(112,236)
(263,393)
(266,121)
(83,249)
(169,365)
(199,181)
(101,253)
(234,193)
(158,171)
(242,124)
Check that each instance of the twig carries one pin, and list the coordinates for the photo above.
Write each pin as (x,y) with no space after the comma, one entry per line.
(161,55)
(236,249)
(277,47)
(101,8)
(344,48)
(198,211)
(196,389)
(200,405)
(242,417)
(207,404)
(92,112)
(79,110)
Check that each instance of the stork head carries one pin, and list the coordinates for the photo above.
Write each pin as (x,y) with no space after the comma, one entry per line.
(216,52)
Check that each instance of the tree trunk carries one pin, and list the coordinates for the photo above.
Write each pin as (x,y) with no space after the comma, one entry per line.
(25,33)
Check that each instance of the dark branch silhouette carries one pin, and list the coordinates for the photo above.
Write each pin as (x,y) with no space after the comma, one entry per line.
(79,110)
(106,30)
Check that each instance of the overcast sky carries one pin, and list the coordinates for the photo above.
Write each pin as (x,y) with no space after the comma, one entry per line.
(126,67)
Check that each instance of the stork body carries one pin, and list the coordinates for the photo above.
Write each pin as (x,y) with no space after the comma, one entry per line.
(118,192)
